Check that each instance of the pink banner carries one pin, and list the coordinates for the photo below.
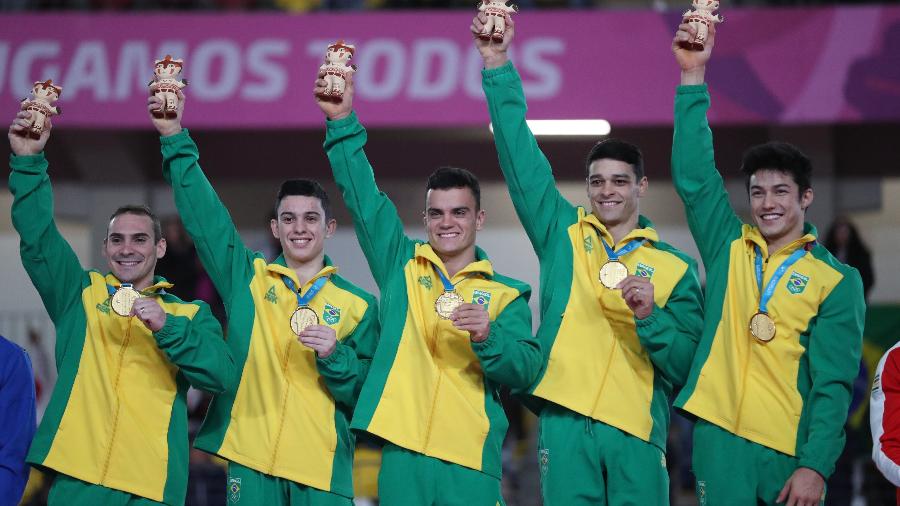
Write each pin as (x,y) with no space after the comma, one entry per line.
(784,66)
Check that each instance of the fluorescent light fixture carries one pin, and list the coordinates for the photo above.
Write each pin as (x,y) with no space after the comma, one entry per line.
(547,127)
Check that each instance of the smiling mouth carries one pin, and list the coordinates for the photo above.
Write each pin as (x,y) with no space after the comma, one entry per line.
(609,204)
(300,242)
(448,235)
(128,263)
(770,217)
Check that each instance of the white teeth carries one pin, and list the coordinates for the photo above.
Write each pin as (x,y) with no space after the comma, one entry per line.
(608,204)
(771,216)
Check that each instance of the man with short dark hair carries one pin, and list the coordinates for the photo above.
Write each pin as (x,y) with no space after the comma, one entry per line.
(772,378)
(454,332)
(303,337)
(115,431)
(620,310)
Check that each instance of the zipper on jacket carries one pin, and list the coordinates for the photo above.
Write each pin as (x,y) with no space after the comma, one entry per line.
(437,389)
(115,427)
(612,354)
(284,399)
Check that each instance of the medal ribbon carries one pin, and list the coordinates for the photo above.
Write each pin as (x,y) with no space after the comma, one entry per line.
(624,250)
(112,289)
(313,290)
(764,296)
(448,286)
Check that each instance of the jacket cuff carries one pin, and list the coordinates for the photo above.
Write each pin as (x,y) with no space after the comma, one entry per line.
(29,164)
(169,332)
(178,138)
(688,89)
(343,122)
(506,68)
(334,358)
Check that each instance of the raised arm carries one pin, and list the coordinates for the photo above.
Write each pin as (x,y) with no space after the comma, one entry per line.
(712,220)
(205,217)
(346,368)
(378,226)
(48,259)
(528,175)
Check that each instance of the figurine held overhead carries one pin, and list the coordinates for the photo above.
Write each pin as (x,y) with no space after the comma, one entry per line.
(41,106)
(700,18)
(497,14)
(165,85)
(336,70)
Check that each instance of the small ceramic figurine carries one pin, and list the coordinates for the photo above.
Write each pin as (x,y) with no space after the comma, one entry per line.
(337,70)
(41,106)
(700,18)
(496,11)
(165,85)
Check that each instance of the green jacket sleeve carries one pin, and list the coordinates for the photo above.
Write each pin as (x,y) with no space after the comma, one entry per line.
(671,333)
(378,226)
(511,355)
(835,347)
(712,220)
(346,368)
(529,178)
(197,347)
(48,259)
(219,246)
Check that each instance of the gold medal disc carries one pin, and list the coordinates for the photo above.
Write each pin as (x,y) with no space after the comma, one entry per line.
(303,317)
(123,300)
(447,303)
(762,326)
(612,273)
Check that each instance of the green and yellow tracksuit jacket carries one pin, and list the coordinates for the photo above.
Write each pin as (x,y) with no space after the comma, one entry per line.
(117,416)
(601,362)
(431,390)
(290,414)
(792,393)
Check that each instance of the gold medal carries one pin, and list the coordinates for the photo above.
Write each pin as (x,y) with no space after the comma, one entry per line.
(447,303)
(612,273)
(123,299)
(762,326)
(303,317)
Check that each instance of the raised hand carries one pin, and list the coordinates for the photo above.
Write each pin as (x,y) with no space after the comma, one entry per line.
(166,126)
(20,141)
(493,54)
(692,63)
(334,110)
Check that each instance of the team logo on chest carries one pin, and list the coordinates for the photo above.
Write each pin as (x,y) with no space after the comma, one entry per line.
(270,295)
(104,306)
(331,314)
(234,489)
(644,270)
(482,298)
(588,244)
(425,281)
(797,283)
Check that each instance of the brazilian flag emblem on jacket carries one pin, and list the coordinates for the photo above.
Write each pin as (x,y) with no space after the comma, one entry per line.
(331,314)
(797,283)
(481,298)
(644,270)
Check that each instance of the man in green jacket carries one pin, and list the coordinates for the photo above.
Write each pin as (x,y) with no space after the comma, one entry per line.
(115,430)
(301,334)
(620,310)
(454,331)
(772,378)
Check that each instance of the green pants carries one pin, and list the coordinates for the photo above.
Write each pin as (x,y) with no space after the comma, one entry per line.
(732,470)
(247,487)
(586,462)
(69,491)
(412,479)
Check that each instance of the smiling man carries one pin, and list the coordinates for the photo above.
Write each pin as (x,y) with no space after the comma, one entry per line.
(772,378)
(115,429)
(454,332)
(302,336)
(620,310)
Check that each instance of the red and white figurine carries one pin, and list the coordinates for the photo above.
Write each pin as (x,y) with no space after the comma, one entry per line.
(165,85)
(41,106)
(336,70)
(700,19)
(497,13)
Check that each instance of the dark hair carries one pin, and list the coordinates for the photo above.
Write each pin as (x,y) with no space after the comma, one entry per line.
(453,177)
(615,149)
(779,156)
(303,188)
(140,210)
